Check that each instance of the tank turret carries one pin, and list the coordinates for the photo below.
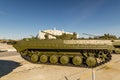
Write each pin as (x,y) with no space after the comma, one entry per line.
(63,36)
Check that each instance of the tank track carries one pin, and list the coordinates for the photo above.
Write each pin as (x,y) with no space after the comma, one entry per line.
(27,57)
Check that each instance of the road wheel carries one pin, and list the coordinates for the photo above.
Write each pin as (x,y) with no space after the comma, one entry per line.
(103,56)
(23,53)
(34,58)
(91,61)
(77,60)
(64,60)
(43,58)
(53,59)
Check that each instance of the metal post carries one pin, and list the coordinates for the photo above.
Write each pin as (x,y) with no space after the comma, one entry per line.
(66,78)
(93,74)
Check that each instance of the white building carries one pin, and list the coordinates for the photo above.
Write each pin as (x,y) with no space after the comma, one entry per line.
(41,35)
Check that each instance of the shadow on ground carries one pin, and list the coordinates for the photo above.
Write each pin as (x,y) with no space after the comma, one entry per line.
(6,66)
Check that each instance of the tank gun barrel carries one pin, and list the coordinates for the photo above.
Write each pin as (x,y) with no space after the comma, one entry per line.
(49,33)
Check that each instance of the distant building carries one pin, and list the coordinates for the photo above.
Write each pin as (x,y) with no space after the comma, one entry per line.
(41,35)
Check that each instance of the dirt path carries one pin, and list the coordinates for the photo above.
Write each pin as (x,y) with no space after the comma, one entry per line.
(23,70)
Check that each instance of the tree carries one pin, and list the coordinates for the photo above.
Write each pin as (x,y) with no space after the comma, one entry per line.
(108,36)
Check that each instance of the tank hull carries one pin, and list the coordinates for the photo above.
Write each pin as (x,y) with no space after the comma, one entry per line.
(65,52)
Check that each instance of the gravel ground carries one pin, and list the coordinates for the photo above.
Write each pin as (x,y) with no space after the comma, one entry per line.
(15,68)
(6,47)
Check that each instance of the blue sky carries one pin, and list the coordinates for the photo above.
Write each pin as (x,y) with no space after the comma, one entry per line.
(22,18)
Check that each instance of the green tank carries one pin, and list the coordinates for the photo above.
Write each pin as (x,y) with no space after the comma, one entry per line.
(66,49)
(116,47)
